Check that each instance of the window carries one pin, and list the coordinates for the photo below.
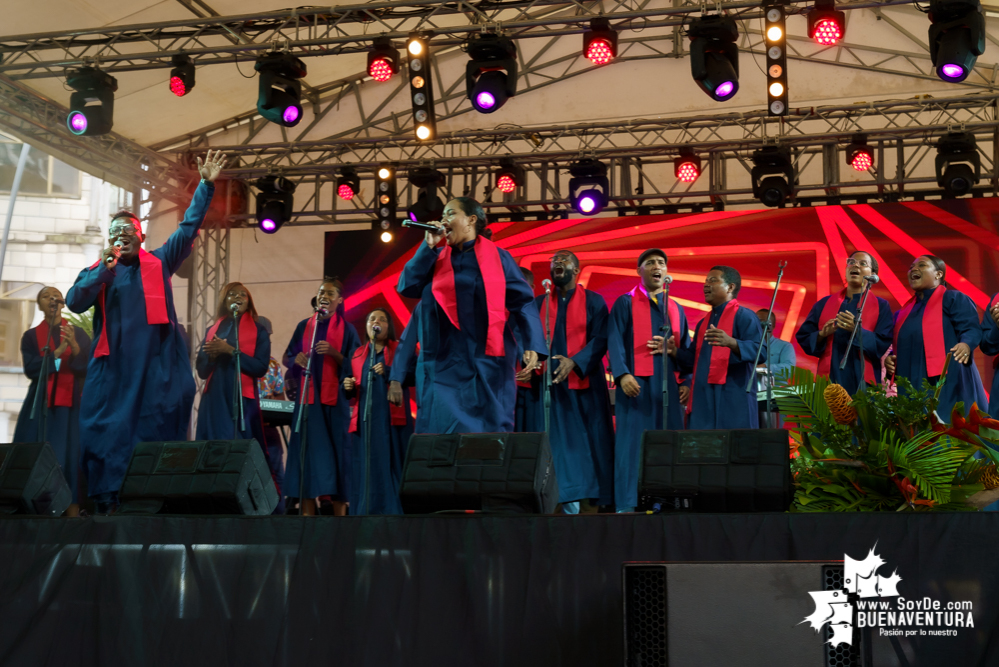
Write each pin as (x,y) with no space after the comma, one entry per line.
(15,318)
(43,174)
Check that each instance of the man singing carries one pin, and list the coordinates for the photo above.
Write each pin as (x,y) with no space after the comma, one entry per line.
(721,359)
(139,382)
(582,433)
(635,341)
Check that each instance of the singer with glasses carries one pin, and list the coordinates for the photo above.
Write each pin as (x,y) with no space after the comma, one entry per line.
(937,322)
(57,351)
(139,382)
(381,429)
(330,341)
(636,330)
(473,296)
(826,331)
(235,327)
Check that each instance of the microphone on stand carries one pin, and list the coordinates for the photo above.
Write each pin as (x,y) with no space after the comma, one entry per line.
(425,226)
(547,284)
(668,279)
(872,279)
(375,329)
(235,309)
(322,311)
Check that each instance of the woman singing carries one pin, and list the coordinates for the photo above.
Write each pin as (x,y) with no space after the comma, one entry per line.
(938,321)
(473,295)
(236,318)
(378,458)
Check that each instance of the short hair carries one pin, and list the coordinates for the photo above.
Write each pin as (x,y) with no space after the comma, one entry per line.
(38,297)
(335,281)
(571,254)
(730,276)
(770,314)
(470,206)
(125,213)
(388,316)
(652,251)
(874,262)
(528,275)
(222,311)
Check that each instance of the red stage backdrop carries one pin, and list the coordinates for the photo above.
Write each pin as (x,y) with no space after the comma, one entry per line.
(815,242)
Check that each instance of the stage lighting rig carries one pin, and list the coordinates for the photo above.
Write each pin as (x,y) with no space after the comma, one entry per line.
(958,165)
(509,176)
(383,60)
(600,42)
(588,187)
(91,107)
(775,37)
(826,24)
(714,56)
(957,37)
(280,91)
(385,198)
(182,75)
(859,154)
(428,206)
(687,167)
(347,184)
(491,74)
(773,176)
(275,202)
(421,88)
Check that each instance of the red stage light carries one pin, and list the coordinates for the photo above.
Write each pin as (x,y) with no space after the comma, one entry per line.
(505,183)
(345,191)
(828,31)
(380,70)
(177,86)
(862,161)
(599,52)
(687,172)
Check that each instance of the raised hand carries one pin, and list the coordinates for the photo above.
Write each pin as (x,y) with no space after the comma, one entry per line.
(212,166)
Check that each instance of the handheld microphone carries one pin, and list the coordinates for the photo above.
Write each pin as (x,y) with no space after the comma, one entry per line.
(547,284)
(872,279)
(111,261)
(425,226)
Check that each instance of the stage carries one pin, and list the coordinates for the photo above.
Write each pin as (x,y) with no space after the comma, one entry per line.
(435,590)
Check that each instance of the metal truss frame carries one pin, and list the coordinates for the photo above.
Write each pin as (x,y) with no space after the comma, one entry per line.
(336,30)
(210,259)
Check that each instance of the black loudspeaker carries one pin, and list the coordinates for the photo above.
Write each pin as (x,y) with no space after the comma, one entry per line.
(711,614)
(31,481)
(206,477)
(738,470)
(488,472)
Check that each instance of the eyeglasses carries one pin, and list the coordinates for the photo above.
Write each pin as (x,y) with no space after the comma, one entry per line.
(864,264)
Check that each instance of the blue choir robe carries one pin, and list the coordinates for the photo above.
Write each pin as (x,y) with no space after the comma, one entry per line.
(582,431)
(529,411)
(143,390)
(728,405)
(876,342)
(215,412)
(381,464)
(327,454)
(469,391)
(63,428)
(960,325)
(643,413)
(990,345)
(408,368)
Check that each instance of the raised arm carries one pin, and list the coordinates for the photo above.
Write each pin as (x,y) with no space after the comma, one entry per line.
(418,272)
(84,292)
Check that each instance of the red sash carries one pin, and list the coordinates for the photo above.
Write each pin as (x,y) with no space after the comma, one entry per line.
(247,344)
(397,413)
(494,280)
(151,274)
(331,369)
(718,369)
(575,329)
(933,334)
(995,300)
(829,311)
(64,380)
(641,320)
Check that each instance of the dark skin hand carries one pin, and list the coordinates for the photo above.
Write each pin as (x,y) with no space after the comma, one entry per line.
(395,392)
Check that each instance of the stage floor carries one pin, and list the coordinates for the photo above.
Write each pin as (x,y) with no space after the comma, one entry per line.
(435,590)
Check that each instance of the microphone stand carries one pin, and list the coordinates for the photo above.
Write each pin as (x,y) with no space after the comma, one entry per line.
(238,419)
(42,404)
(302,407)
(367,428)
(548,364)
(667,331)
(858,328)
(767,330)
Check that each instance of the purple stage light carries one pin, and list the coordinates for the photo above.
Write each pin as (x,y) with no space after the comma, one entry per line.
(725,89)
(587,204)
(268,225)
(485,100)
(952,71)
(77,123)
(412,216)
(290,114)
